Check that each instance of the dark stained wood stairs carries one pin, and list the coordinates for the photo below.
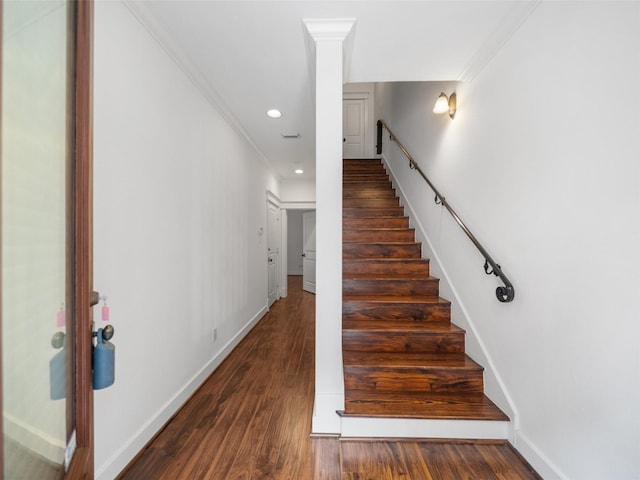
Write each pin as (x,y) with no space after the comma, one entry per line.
(403,358)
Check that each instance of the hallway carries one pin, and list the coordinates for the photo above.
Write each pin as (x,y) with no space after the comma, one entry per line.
(251,420)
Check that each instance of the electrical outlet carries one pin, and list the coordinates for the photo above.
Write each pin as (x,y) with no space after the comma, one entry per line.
(214,334)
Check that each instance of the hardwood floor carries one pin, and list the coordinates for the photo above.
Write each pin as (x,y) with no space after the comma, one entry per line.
(251,420)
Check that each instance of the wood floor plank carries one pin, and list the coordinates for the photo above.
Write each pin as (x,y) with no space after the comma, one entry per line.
(251,420)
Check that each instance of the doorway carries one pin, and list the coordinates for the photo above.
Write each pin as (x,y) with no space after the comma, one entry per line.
(273,252)
(309,251)
(354,128)
(301,251)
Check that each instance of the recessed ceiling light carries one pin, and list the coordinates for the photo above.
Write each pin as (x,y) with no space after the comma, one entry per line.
(299,171)
(274,113)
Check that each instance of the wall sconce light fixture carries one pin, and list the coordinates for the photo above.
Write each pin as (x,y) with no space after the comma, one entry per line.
(446,104)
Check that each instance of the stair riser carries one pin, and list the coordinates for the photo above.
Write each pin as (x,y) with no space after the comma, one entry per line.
(412,379)
(408,342)
(381,235)
(370,202)
(384,250)
(362,178)
(402,287)
(356,186)
(369,193)
(362,163)
(363,170)
(371,217)
(355,223)
(407,268)
(422,312)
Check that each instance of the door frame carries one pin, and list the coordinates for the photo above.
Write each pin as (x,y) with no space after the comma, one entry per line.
(81,465)
(284,206)
(83,459)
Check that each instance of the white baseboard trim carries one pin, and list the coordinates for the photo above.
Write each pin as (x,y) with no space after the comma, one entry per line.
(121,458)
(545,468)
(39,442)
(325,419)
(367,427)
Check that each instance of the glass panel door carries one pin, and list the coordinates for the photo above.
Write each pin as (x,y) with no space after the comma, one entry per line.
(37,244)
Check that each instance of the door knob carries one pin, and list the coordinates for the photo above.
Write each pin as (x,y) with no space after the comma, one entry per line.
(107,333)
(304,254)
(57,341)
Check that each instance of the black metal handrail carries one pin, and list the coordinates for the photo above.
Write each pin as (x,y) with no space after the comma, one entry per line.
(504,293)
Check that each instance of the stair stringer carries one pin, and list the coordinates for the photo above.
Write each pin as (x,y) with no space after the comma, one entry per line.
(494,386)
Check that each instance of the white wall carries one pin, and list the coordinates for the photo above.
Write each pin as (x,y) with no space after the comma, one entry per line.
(294,242)
(541,161)
(298,191)
(179,203)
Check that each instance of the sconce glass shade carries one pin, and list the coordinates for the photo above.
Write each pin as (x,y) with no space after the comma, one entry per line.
(446,104)
(441,105)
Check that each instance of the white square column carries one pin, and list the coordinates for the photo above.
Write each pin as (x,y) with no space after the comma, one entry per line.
(326,61)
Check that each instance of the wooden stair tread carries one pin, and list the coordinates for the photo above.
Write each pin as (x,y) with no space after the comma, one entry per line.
(410,299)
(356,235)
(388,261)
(358,177)
(384,277)
(377,229)
(393,218)
(384,243)
(449,406)
(382,250)
(391,326)
(372,213)
(453,361)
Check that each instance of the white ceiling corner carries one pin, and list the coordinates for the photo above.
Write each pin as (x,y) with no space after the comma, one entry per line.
(510,24)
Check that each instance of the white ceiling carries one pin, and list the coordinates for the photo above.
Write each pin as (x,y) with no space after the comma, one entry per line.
(249,56)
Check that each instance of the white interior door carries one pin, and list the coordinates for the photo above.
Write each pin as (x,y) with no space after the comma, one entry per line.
(309,251)
(353,128)
(273,251)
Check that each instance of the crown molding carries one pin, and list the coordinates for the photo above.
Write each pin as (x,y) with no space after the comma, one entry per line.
(160,32)
(509,25)
(328,30)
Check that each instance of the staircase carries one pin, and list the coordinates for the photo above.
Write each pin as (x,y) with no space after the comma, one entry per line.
(403,358)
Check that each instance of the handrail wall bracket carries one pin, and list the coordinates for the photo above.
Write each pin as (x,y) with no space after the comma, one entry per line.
(504,293)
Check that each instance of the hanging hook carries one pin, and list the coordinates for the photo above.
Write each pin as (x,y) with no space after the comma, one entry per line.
(437,199)
(486,268)
(493,270)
